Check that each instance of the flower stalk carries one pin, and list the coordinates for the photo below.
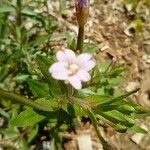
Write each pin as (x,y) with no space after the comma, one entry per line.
(22,100)
(82,12)
(80,39)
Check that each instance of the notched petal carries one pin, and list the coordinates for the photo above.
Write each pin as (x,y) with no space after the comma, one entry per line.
(60,55)
(58,66)
(84,75)
(70,55)
(60,75)
(75,82)
(84,57)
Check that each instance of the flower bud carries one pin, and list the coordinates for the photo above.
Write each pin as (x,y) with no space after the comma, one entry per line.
(82,11)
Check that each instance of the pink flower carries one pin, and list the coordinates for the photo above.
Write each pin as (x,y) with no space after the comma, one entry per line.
(71,68)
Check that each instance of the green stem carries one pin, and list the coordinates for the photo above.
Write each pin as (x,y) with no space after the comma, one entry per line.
(86,107)
(22,100)
(19,17)
(69,91)
(128,94)
(95,124)
(80,39)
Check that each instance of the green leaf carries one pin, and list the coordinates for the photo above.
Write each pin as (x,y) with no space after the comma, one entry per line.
(44,64)
(4,71)
(117,117)
(20,78)
(96,100)
(95,124)
(29,12)
(39,40)
(29,117)
(31,135)
(120,128)
(137,129)
(6,9)
(4,113)
(48,102)
(122,106)
(9,132)
(23,145)
(5,41)
(79,111)
(148,3)
(90,48)
(57,37)
(3,56)
(126,108)
(38,89)
(116,71)
(102,66)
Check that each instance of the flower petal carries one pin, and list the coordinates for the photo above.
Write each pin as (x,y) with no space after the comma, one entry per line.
(87,65)
(83,75)
(70,55)
(84,57)
(85,61)
(58,67)
(60,55)
(60,75)
(75,82)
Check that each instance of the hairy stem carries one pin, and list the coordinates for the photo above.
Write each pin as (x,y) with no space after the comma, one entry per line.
(80,39)
(95,124)
(19,17)
(86,107)
(22,100)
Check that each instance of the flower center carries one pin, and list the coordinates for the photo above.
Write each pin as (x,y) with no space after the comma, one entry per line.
(72,69)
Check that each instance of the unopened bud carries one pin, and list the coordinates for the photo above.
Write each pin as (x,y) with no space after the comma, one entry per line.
(82,11)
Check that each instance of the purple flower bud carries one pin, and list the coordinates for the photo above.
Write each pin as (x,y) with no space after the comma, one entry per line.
(82,11)
(82,3)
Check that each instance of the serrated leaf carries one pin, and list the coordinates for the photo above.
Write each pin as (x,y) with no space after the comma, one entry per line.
(28,117)
(48,103)
(38,89)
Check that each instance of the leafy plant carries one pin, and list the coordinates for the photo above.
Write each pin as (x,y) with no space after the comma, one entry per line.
(26,57)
